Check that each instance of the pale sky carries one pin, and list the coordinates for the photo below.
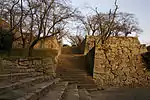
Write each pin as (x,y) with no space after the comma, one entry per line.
(141,8)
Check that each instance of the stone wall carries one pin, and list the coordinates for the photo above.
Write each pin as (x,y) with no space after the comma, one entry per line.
(46,65)
(48,48)
(89,43)
(48,43)
(119,63)
(90,60)
(44,59)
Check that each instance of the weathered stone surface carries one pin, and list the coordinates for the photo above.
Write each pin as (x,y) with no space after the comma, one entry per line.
(45,65)
(119,63)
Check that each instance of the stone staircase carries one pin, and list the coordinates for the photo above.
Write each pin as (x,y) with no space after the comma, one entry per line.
(24,83)
(36,86)
(72,82)
(70,50)
(72,68)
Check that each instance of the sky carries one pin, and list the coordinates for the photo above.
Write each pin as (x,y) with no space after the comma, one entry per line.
(140,8)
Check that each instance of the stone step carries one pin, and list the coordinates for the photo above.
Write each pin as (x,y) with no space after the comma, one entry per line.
(9,71)
(81,78)
(87,86)
(14,67)
(74,77)
(56,92)
(74,68)
(83,81)
(27,82)
(84,94)
(70,50)
(12,75)
(29,93)
(82,84)
(71,93)
(71,71)
(39,90)
(72,74)
(7,78)
(75,80)
(65,69)
(18,67)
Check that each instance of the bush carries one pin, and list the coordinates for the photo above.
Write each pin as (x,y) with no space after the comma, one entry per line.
(148,48)
(6,40)
(66,45)
(74,45)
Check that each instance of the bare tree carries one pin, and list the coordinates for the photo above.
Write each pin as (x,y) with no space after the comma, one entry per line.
(13,14)
(51,17)
(75,39)
(110,24)
(40,18)
(126,23)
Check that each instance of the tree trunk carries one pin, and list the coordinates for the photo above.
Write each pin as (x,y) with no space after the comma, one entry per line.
(32,45)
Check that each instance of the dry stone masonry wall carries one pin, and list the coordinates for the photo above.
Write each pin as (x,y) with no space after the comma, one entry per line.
(45,65)
(44,56)
(119,63)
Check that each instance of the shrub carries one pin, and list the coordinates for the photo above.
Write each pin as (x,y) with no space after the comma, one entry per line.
(6,40)
(66,45)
